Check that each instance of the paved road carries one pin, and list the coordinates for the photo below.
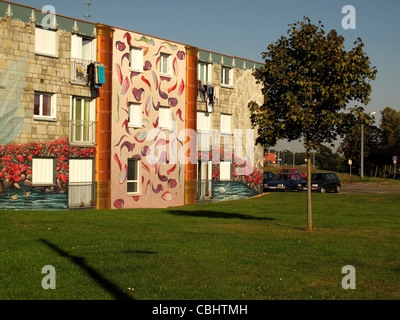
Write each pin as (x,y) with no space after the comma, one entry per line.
(370,188)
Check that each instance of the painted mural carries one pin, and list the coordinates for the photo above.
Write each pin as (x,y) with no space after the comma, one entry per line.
(16,173)
(158,85)
(242,170)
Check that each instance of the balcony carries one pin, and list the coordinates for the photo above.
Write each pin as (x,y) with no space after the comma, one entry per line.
(204,190)
(79,73)
(82,195)
(82,133)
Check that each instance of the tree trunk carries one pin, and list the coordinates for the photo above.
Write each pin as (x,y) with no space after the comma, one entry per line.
(309,207)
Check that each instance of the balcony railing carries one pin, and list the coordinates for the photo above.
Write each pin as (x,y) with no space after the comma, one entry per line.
(204,189)
(79,73)
(82,194)
(82,132)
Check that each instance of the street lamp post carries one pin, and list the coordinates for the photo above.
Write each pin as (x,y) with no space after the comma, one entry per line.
(362,148)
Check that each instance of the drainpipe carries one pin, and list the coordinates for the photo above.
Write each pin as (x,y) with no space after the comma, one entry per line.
(103,118)
(191,123)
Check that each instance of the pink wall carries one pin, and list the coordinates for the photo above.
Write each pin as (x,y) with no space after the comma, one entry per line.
(162,182)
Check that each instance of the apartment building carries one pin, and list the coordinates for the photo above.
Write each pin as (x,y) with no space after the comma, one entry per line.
(95,116)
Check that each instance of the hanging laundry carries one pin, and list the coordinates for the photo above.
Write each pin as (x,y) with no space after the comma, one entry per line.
(100,74)
(90,73)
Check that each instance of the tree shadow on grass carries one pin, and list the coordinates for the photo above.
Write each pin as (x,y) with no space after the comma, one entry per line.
(217,214)
(94,274)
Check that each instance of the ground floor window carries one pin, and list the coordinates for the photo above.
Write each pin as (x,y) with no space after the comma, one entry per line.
(43,171)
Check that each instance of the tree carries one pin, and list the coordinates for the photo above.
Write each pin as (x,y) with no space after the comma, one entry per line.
(308,81)
(327,160)
(350,147)
(390,126)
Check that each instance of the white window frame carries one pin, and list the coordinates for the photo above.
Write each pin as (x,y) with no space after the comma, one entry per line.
(91,124)
(53,107)
(137,164)
(226,82)
(40,165)
(207,71)
(165,64)
(77,45)
(136,59)
(164,123)
(135,121)
(46,42)
(204,121)
(226,128)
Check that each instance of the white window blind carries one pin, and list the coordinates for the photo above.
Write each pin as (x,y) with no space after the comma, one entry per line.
(164,121)
(136,59)
(226,123)
(45,41)
(43,172)
(225,171)
(135,115)
(203,121)
(80,170)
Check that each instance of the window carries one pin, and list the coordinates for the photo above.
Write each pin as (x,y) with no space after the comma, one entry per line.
(133,176)
(227,76)
(81,48)
(165,64)
(226,123)
(43,171)
(135,115)
(80,182)
(165,118)
(136,59)
(225,171)
(203,121)
(45,42)
(205,72)
(82,121)
(45,105)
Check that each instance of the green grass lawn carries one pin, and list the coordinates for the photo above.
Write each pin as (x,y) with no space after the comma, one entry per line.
(247,249)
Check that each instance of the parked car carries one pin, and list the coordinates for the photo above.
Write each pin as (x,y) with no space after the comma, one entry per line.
(323,182)
(297,171)
(286,182)
(268,176)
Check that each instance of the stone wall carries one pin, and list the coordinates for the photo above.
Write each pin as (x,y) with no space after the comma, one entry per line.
(41,73)
(234,101)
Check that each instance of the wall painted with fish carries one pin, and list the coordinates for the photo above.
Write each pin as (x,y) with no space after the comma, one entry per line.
(148,114)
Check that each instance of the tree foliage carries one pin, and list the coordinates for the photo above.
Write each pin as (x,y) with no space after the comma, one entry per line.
(308,81)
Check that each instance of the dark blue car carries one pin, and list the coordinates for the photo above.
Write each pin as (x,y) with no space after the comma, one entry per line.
(323,182)
(286,182)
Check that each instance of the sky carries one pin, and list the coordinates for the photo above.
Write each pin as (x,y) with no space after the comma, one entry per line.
(246,28)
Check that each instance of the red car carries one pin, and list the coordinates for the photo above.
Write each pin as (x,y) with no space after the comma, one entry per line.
(298,171)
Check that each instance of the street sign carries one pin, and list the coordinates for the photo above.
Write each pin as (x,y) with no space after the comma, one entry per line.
(350,162)
(394,158)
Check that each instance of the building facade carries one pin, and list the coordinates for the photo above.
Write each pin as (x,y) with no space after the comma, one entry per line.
(47,112)
(94,116)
